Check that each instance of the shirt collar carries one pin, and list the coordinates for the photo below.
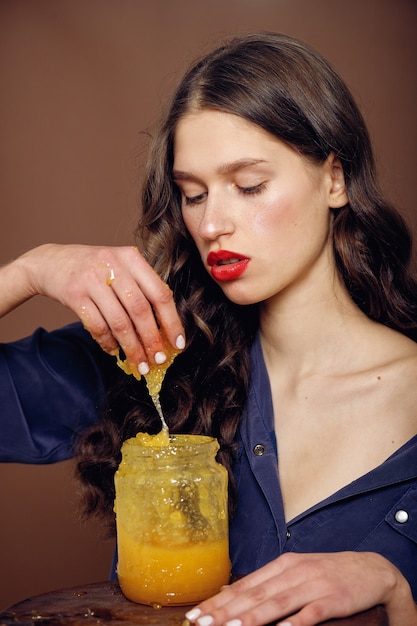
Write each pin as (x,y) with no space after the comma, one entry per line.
(258,428)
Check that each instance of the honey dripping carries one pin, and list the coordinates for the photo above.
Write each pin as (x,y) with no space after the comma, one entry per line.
(154,379)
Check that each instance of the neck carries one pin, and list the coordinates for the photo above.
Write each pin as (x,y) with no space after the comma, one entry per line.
(311,331)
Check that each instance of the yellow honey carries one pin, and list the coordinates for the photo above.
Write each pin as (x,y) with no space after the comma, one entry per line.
(171,517)
(154,378)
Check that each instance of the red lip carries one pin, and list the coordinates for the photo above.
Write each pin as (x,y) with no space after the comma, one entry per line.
(227,265)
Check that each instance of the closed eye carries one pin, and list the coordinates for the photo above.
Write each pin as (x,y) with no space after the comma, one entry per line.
(190,200)
(249,191)
(252,190)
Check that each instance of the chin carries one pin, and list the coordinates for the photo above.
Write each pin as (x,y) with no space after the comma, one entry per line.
(239,296)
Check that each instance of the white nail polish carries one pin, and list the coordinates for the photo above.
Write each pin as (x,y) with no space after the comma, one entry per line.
(234,622)
(284,624)
(193,614)
(206,620)
(180,343)
(143,368)
(160,357)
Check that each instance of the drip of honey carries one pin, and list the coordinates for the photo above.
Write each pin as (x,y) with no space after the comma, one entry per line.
(154,378)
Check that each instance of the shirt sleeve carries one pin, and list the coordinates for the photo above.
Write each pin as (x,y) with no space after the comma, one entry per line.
(52,386)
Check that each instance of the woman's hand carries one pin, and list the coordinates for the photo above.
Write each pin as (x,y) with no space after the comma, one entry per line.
(118,297)
(307,589)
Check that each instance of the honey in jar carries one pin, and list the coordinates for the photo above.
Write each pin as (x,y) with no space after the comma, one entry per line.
(171,517)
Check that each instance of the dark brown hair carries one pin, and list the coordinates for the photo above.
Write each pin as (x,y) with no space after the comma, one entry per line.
(281,85)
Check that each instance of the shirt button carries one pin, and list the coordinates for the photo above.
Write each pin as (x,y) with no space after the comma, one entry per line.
(259,449)
(288,534)
(401,516)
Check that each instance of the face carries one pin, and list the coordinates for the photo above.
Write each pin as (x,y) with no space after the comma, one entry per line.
(259,212)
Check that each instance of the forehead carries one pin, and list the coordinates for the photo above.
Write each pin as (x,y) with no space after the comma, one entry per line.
(213,135)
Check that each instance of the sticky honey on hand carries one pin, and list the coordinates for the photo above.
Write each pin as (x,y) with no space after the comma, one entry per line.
(154,378)
(156,373)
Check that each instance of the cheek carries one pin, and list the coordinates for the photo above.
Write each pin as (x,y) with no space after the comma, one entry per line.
(191,222)
(276,214)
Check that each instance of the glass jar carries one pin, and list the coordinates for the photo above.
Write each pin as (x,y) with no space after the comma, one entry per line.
(171,518)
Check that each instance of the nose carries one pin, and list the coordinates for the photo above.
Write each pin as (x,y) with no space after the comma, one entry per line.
(216,219)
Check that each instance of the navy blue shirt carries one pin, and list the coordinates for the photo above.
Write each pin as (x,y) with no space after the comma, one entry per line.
(377,512)
(52,385)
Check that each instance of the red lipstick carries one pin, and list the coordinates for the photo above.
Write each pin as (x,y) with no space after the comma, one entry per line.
(226,265)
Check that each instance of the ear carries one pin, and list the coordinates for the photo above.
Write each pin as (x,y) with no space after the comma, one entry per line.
(337,191)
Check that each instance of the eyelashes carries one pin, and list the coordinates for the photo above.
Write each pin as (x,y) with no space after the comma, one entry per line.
(253,190)
(189,201)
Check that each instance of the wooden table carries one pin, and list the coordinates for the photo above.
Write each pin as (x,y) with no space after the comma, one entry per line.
(103,603)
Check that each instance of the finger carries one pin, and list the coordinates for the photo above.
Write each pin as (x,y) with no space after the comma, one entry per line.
(161,298)
(259,605)
(273,591)
(243,585)
(313,613)
(229,604)
(96,325)
(167,315)
(136,322)
(114,330)
(136,289)
(292,606)
(119,299)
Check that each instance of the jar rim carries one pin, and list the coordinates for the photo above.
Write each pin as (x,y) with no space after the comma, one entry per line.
(179,444)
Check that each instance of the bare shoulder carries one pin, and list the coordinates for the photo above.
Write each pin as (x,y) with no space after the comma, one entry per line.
(404,353)
(398,370)
(395,349)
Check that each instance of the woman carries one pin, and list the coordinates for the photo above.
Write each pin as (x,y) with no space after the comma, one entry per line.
(288,270)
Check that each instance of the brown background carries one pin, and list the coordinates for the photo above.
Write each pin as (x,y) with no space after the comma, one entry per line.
(79,81)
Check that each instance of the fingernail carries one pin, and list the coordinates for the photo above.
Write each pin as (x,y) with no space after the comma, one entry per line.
(180,343)
(284,624)
(206,620)
(160,357)
(234,622)
(193,614)
(143,368)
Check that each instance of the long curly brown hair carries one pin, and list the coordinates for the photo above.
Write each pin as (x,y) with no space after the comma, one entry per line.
(286,88)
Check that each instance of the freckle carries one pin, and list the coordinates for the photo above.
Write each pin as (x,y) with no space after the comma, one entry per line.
(305,397)
(379,377)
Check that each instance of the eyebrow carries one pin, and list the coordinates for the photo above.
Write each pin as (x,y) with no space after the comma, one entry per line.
(227,168)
